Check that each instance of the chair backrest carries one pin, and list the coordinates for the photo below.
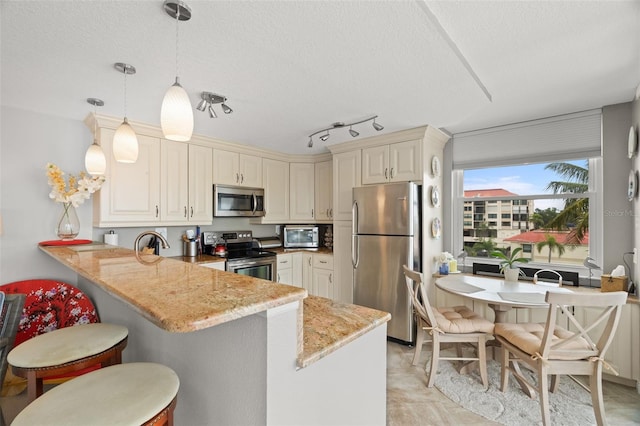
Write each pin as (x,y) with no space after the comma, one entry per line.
(598,331)
(50,305)
(9,320)
(418,294)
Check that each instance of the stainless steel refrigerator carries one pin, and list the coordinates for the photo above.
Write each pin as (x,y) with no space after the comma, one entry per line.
(386,235)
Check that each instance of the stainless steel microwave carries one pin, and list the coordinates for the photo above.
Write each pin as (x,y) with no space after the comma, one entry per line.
(231,201)
(301,236)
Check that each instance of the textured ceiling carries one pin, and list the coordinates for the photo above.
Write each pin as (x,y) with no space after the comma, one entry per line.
(292,68)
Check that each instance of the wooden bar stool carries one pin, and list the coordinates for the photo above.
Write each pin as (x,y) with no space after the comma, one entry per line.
(127,394)
(67,350)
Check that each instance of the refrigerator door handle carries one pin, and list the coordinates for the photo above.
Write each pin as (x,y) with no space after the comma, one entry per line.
(354,217)
(355,258)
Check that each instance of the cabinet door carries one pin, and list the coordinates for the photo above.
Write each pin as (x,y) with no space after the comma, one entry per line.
(323,283)
(346,176)
(275,176)
(131,193)
(342,261)
(200,185)
(324,191)
(250,170)
(285,276)
(307,273)
(226,167)
(404,161)
(174,187)
(375,165)
(296,260)
(301,186)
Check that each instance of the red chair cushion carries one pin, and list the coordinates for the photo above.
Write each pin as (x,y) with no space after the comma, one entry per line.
(50,305)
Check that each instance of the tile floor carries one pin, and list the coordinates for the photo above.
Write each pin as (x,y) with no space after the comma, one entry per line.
(410,402)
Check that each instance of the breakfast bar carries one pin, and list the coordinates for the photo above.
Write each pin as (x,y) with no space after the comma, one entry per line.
(246,350)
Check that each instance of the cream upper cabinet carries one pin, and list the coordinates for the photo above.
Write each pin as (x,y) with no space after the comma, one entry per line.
(324,191)
(200,184)
(302,188)
(186,187)
(232,168)
(131,192)
(275,177)
(392,163)
(346,176)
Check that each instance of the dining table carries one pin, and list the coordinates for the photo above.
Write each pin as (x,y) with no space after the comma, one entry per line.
(499,294)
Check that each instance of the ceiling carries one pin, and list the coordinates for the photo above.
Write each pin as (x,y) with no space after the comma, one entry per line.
(290,68)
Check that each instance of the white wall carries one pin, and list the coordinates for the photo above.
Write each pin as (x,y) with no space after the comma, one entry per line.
(635,121)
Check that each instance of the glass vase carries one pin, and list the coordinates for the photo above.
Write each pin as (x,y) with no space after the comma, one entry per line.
(68,224)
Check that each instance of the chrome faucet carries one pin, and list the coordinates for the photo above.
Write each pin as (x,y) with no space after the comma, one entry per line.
(165,243)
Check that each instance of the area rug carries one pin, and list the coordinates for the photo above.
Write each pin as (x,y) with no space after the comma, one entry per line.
(569,405)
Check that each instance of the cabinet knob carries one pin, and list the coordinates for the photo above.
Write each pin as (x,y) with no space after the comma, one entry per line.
(278,277)
(157,210)
(386,176)
(237,178)
(331,278)
(323,261)
(185,211)
(331,212)
(284,261)
(392,173)
(191,211)
(241,177)
(311,212)
(328,213)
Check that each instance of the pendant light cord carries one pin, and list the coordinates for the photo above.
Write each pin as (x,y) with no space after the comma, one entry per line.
(125,92)
(177,38)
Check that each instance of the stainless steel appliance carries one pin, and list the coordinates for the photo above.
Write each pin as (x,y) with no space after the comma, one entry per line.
(301,236)
(242,253)
(386,235)
(230,201)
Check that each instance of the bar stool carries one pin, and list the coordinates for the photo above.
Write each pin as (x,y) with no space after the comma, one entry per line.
(127,394)
(60,334)
(67,350)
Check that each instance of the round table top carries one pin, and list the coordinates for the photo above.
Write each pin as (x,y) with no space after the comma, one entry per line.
(497,291)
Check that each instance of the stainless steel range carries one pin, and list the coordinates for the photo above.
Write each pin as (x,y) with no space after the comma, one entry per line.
(243,254)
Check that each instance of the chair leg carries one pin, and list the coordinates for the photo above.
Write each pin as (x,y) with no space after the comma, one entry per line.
(504,368)
(595,386)
(543,391)
(482,360)
(419,342)
(435,355)
(34,386)
(555,382)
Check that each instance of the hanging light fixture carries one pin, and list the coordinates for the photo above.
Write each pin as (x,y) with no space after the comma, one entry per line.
(125,141)
(176,115)
(339,125)
(94,160)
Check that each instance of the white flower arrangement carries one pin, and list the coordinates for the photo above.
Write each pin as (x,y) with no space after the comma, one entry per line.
(76,190)
(445,256)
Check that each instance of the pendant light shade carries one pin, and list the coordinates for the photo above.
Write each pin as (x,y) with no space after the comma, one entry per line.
(176,115)
(94,160)
(125,144)
(125,141)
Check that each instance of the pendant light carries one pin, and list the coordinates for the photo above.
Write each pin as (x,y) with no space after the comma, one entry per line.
(176,115)
(94,160)
(125,141)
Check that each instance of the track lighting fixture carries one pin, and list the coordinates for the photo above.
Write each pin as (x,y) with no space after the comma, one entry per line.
(339,125)
(207,101)
(176,115)
(94,160)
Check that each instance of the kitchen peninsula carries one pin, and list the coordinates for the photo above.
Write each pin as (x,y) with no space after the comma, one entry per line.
(247,351)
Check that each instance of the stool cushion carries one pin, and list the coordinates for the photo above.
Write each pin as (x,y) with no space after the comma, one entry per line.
(123,394)
(460,319)
(528,337)
(66,345)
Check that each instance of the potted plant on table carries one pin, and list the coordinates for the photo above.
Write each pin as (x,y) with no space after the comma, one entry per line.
(511,272)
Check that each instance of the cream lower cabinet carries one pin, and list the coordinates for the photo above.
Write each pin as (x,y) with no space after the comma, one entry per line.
(342,265)
(322,283)
(324,191)
(284,274)
(232,168)
(392,163)
(130,195)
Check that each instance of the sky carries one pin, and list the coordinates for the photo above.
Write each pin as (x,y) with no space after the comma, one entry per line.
(522,180)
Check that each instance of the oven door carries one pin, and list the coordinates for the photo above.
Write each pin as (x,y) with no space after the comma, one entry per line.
(264,268)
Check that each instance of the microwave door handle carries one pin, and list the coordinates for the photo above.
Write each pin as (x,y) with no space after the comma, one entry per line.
(255,203)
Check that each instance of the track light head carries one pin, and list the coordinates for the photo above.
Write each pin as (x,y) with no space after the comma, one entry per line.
(377,126)
(226,109)
(324,137)
(202,105)
(212,113)
(310,144)
(353,132)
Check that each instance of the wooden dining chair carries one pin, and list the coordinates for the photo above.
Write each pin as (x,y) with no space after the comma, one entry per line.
(456,325)
(551,350)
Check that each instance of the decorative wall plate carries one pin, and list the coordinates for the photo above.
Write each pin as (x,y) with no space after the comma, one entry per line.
(435,196)
(633,142)
(436,228)
(435,166)
(632,189)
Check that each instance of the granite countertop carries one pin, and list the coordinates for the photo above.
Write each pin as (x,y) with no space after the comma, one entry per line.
(159,288)
(213,296)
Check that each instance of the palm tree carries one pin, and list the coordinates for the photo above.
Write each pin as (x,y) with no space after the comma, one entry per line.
(553,244)
(576,210)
